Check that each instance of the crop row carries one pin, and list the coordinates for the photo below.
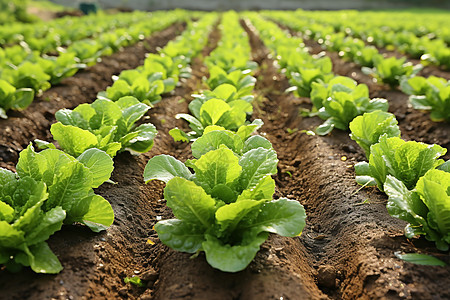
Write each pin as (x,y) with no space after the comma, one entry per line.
(343,103)
(429,46)
(434,94)
(29,73)
(46,37)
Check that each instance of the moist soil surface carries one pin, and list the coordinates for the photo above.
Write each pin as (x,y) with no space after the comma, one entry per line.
(346,250)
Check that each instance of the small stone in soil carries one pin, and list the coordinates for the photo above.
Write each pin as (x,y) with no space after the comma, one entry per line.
(327,276)
(149,275)
(349,148)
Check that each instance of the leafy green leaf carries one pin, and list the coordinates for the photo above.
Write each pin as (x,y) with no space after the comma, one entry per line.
(421,259)
(406,205)
(229,216)
(72,139)
(50,223)
(212,110)
(367,129)
(134,280)
(217,167)
(180,235)
(212,141)
(30,164)
(165,167)
(99,163)
(407,161)
(434,190)
(228,258)
(43,260)
(190,202)
(364,174)
(256,141)
(100,214)
(263,191)
(283,216)
(256,164)
(244,131)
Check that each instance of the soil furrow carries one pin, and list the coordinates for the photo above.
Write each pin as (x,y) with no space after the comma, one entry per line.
(350,239)
(34,122)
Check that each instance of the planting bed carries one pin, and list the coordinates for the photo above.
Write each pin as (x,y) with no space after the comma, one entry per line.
(346,250)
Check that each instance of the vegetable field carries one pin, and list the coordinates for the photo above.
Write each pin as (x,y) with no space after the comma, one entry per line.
(226,155)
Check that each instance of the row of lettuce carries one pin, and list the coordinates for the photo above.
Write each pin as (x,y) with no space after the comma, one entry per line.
(45,37)
(54,187)
(427,94)
(411,173)
(427,40)
(25,72)
(225,207)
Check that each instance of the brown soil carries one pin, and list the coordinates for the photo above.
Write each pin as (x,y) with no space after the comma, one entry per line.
(345,252)
(43,14)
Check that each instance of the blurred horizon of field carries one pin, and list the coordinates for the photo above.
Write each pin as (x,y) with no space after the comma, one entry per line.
(260,4)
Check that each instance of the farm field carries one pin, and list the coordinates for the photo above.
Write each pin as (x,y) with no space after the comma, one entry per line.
(254,109)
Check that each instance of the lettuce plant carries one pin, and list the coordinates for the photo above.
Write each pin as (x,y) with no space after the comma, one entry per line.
(51,188)
(406,161)
(241,80)
(106,125)
(426,208)
(12,98)
(158,75)
(366,56)
(432,93)
(306,73)
(233,51)
(340,101)
(225,208)
(230,115)
(215,137)
(320,91)
(367,129)
(88,51)
(58,68)
(226,92)
(147,89)
(169,67)
(25,225)
(391,70)
(70,182)
(30,75)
